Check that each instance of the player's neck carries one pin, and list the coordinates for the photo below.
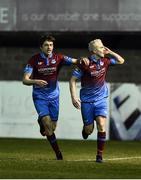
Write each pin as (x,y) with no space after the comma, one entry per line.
(47,55)
(95,57)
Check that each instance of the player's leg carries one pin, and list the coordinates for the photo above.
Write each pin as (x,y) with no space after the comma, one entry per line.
(49,126)
(87,130)
(42,129)
(54,112)
(88,119)
(101,137)
(45,122)
(101,114)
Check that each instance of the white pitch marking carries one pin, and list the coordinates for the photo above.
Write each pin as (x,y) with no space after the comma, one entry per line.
(110,159)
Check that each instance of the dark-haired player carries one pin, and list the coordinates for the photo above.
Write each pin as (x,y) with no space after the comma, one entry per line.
(94,92)
(42,71)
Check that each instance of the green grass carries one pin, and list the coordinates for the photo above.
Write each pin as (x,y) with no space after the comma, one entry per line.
(26,158)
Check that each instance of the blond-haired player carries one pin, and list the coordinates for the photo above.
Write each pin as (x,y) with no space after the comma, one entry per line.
(94,91)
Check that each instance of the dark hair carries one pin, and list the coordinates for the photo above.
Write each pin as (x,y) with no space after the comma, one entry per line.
(46,38)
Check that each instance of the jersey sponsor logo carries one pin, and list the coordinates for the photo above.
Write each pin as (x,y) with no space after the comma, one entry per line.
(98,73)
(47,71)
(53,61)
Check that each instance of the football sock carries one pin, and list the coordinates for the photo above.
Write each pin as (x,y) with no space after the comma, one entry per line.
(101,137)
(53,142)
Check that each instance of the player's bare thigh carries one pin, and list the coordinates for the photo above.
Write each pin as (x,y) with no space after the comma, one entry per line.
(101,123)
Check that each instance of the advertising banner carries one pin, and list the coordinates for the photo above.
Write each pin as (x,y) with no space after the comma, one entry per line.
(8,15)
(72,16)
(125,116)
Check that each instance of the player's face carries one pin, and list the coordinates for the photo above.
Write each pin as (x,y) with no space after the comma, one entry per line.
(99,49)
(47,47)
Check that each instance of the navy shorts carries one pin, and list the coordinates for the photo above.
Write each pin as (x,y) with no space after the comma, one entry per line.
(47,108)
(91,110)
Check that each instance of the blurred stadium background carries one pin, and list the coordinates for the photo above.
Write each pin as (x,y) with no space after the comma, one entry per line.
(73,23)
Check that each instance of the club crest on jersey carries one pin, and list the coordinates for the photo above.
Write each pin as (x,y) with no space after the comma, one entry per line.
(101,63)
(53,61)
(40,63)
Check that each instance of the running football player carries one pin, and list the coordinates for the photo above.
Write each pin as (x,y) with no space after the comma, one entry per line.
(94,92)
(42,71)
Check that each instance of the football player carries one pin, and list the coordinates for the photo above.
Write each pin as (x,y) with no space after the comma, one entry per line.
(94,91)
(42,71)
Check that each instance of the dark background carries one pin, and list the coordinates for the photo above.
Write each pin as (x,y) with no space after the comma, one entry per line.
(17,47)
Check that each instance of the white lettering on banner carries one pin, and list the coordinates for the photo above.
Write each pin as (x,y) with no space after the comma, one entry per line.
(112,17)
(64,17)
(60,17)
(51,17)
(36,17)
(88,17)
(4,15)
(121,17)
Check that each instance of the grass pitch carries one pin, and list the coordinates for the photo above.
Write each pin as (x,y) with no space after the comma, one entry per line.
(26,158)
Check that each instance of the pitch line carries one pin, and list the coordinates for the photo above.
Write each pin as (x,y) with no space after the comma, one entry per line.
(108,159)
(78,160)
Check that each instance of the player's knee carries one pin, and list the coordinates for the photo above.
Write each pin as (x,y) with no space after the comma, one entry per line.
(101,127)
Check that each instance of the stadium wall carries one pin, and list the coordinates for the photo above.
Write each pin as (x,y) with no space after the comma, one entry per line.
(18,117)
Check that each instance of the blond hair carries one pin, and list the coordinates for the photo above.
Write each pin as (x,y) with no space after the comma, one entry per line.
(93,44)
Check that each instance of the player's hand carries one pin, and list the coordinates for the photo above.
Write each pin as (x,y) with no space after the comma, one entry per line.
(40,83)
(76,102)
(84,60)
(107,51)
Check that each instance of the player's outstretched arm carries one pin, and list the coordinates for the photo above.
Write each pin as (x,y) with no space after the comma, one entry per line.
(28,81)
(120,60)
(73,89)
(84,60)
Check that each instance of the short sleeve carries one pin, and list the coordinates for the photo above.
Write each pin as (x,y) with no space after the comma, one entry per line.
(113,61)
(67,60)
(77,73)
(29,67)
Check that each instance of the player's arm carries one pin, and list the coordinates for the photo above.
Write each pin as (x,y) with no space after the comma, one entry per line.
(119,59)
(81,60)
(73,89)
(68,60)
(28,81)
(27,78)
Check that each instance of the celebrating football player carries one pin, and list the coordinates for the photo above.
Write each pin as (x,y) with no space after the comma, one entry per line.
(94,92)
